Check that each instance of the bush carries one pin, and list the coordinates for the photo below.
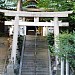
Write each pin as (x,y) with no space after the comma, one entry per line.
(67,48)
(50,39)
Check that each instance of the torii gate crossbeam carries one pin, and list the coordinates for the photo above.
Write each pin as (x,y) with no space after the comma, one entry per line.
(36,14)
(22,23)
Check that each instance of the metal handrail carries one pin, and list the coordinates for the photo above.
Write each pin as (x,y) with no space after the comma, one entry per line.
(23,46)
(35,52)
(50,71)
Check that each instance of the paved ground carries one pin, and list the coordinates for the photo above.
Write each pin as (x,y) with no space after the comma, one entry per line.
(3,52)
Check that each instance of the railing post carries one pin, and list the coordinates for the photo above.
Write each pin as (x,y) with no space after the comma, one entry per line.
(23,46)
(67,67)
(62,66)
(50,71)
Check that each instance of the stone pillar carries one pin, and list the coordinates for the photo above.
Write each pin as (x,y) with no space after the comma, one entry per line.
(24,26)
(44,31)
(67,67)
(15,37)
(36,19)
(56,36)
(62,66)
(24,30)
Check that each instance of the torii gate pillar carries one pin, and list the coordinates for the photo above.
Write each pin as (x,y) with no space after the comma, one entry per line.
(15,37)
(56,36)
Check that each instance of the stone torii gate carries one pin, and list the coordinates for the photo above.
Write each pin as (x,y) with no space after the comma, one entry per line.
(36,16)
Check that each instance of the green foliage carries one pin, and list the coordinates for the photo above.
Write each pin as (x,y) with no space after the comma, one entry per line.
(50,39)
(20,42)
(56,5)
(67,47)
(60,5)
(65,6)
(44,3)
(2,4)
(1,34)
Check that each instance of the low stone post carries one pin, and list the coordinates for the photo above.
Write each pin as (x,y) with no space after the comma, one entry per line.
(62,66)
(67,67)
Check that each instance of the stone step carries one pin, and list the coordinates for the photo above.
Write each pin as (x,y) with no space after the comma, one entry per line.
(28,61)
(25,57)
(28,73)
(40,50)
(42,69)
(30,46)
(33,36)
(28,58)
(37,61)
(30,40)
(37,50)
(41,47)
(28,65)
(25,69)
(41,53)
(38,58)
(1,68)
(41,42)
(33,62)
(42,73)
(28,54)
(37,65)
(37,46)
(37,53)
(35,73)
(29,50)
(33,46)
(41,57)
(42,66)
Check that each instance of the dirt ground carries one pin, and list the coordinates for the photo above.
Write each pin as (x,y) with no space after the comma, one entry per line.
(4,45)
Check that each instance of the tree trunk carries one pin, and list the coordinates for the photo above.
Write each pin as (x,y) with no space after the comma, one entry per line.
(19,5)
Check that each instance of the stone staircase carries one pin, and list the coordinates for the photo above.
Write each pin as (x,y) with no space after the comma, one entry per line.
(2,63)
(35,57)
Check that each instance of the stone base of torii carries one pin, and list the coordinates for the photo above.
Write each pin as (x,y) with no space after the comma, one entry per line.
(36,16)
